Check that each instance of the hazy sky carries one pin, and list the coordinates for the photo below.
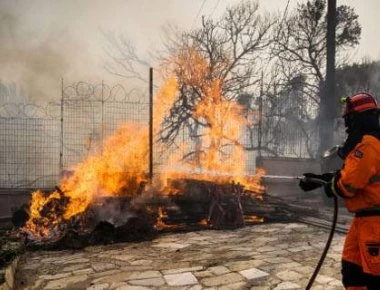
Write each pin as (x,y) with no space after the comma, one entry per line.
(45,40)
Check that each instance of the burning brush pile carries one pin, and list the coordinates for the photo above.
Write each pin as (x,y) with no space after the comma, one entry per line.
(108,198)
(98,200)
(92,206)
(190,204)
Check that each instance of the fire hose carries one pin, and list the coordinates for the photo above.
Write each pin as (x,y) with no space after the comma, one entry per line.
(333,223)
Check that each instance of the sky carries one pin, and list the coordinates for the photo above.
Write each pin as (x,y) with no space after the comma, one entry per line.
(43,41)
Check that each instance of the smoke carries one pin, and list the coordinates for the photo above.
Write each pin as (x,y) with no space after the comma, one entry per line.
(374,81)
(115,211)
(34,63)
(43,41)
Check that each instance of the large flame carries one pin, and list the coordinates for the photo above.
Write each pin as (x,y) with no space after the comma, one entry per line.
(119,167)
(117,170)
(219,155)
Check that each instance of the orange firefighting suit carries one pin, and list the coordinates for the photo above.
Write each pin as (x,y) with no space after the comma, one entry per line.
(358,182)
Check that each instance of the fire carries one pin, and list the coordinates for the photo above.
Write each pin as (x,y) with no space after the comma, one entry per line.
(39,201)
(204,222)
(253,219)
(160,224)
(221,138)
(118,170)
(253,183)
(163,102)
(219,155)
(119,167)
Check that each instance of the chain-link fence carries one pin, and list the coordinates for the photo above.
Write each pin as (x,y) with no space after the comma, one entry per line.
(29,145)
(39,143)
(29,151)
(92,113)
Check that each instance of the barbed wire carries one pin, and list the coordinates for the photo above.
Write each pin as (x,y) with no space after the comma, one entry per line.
(78,91)
(33,136)
(103,92)
(23,110)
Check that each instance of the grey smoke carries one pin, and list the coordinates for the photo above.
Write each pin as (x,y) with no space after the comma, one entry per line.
(34,64)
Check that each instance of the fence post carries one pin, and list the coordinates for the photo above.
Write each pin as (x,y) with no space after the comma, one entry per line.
(150,123)
(102,121)
(61,141)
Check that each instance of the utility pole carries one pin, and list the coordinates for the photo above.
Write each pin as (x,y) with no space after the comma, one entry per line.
(329,102)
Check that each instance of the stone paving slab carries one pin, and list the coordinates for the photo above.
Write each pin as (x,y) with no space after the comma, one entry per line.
(263,256)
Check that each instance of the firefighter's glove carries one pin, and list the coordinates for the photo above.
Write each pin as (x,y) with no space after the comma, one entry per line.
(327,177)
(310,181)
(331,188)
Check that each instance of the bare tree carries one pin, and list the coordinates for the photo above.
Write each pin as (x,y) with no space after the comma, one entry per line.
(123,59)
(228,50)
(229,54)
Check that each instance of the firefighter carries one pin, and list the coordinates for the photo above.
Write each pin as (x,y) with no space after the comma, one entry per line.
(358,183)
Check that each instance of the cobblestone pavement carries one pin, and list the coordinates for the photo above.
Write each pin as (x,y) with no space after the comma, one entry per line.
(264,256)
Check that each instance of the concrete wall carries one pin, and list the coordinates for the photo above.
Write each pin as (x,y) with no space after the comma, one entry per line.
(11,199)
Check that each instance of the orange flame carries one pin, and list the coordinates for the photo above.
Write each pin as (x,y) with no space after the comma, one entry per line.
(219,156)
(39,200)
(120,166)
(117,169)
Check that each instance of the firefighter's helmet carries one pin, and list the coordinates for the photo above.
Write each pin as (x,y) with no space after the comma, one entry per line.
(358,103)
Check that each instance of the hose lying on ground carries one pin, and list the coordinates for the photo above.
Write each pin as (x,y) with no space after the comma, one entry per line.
(327,246)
